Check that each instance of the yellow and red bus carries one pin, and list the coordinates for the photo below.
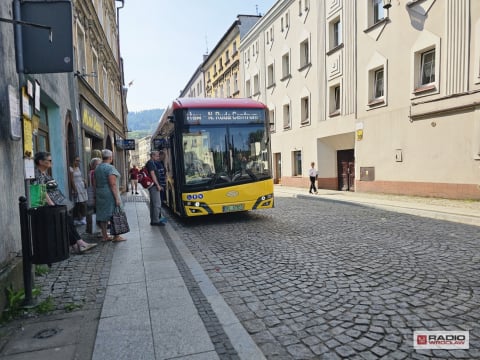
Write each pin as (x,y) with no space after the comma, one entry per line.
(217,156)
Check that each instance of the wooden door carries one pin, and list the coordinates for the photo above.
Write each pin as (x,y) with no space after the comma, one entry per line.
(346,170)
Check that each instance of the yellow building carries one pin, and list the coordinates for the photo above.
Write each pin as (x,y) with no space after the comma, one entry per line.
(221,67)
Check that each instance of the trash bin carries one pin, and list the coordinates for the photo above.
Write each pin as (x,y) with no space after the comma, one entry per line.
(48,234)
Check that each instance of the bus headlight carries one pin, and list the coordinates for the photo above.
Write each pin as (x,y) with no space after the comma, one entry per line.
(197,204)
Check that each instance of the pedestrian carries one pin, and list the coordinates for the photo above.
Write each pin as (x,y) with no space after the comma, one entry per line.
(107,193)
(313,174)
(134,178)
(78,188)
(91,213)
(43,163)
(162,177)
(156,218)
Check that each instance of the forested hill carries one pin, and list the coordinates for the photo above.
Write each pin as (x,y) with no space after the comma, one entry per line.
(143,123)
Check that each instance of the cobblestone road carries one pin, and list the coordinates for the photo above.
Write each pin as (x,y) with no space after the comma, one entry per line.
(314,279)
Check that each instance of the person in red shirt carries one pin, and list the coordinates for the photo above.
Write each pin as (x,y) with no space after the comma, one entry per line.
(134,178)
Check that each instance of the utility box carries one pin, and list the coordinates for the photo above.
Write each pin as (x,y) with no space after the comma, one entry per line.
(48,234)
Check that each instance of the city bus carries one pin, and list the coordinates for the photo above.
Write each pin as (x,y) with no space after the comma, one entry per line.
(217,156)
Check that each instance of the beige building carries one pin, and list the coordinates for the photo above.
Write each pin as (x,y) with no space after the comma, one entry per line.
(144,146)
(382,97)
(221,67)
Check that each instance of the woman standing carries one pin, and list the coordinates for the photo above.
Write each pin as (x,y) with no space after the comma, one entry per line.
(79,192)
(107,193)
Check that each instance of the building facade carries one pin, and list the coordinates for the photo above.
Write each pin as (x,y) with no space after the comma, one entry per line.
(381,98)
(99,76)
(221,67)
(65,113)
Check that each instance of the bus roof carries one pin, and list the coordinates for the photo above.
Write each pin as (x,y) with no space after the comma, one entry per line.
(182,103)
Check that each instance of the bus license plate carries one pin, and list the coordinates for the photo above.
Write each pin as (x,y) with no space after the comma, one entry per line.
(230,208)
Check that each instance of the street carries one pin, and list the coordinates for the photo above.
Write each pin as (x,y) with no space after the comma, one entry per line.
(324,279)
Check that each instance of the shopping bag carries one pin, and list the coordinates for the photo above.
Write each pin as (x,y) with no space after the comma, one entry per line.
(119,222)
(57,196)
(37,195)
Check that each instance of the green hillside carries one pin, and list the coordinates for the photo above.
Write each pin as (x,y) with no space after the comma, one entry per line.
(143,123)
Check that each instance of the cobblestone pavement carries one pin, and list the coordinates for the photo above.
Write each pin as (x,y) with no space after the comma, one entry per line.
(78,282)
(330,280)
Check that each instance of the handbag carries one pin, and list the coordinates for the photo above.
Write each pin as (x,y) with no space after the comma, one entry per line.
(119,222)
(38,195)
(57,196)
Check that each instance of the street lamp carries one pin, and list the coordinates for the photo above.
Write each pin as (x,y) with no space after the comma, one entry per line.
(387,4)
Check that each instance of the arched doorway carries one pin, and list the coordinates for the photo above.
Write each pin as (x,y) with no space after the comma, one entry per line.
(71,145)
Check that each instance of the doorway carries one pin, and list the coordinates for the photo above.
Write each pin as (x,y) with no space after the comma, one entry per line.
(346,170)
(277,158)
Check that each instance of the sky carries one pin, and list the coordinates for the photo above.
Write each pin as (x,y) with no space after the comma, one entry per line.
(163,42)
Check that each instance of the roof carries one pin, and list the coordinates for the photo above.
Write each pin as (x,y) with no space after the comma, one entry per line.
(182,103)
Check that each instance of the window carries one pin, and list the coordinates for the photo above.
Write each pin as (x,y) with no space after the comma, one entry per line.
(378,84)
(378,11)
(235,83)
(336,33)
(105,85)
(427,72)
(81,66)
(248,90)
(335,100)
(271,119)
(234,47)
(227,85)
(336,91)
(270,76)
(297,163)
(304,54)
(256,85)
(285,66)
(286,116)
(305,110)
(95,70)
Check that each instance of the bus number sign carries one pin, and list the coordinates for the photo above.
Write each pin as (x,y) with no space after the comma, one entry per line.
(202,116)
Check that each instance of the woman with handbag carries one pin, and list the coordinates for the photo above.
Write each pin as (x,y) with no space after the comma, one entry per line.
(107,194)
(43,162)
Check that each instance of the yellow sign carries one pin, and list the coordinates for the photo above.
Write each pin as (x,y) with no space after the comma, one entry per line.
(27,137)
(92,122)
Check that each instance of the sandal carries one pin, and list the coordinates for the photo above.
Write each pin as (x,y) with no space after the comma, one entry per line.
(118,239)
(109,238)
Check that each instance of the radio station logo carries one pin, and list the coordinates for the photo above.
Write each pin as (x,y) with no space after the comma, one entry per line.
(441,340)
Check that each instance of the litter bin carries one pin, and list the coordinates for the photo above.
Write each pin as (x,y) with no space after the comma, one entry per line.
(48,233)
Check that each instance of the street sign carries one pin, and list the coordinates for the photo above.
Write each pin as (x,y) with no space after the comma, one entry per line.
(129,144)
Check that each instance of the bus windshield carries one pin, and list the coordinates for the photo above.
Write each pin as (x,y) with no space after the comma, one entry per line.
(219,154)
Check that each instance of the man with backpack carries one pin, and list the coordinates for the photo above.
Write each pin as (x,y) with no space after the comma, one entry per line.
(153,168)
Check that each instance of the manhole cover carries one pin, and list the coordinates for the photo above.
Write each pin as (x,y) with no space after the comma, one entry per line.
(46,333)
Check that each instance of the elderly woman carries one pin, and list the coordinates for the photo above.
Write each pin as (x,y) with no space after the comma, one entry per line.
(107,193)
